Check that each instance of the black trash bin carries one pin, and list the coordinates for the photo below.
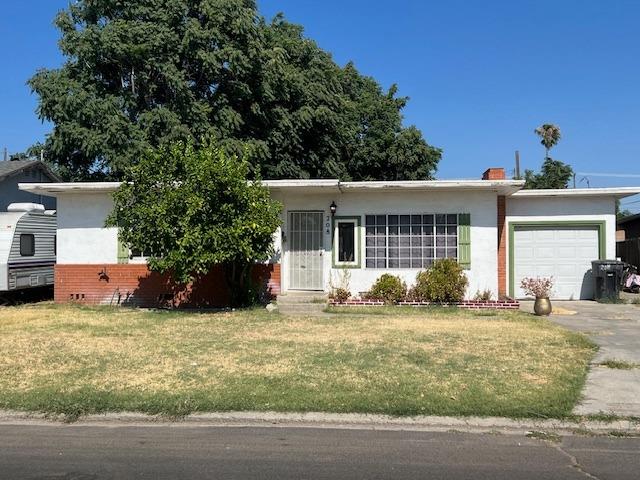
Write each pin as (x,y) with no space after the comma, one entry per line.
(607,278)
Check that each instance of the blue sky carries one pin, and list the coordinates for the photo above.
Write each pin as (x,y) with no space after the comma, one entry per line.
(481,75)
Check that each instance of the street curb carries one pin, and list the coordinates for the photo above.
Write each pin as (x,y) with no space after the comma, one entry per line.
(351,421)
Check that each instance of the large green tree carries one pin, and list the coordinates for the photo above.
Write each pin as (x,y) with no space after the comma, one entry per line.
(190,208)
(143,73)
(553,174)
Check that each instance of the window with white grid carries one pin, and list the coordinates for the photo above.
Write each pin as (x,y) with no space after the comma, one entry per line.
(376,241)
(410,241)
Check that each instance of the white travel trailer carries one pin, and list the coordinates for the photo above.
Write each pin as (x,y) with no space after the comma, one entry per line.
(27,247)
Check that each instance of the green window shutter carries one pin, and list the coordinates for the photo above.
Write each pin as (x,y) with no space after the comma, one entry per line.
(123,251)
(464,240)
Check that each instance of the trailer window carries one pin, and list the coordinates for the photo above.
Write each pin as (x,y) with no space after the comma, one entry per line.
(27,245)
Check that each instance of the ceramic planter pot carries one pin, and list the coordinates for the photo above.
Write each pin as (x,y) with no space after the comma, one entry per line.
(542,307)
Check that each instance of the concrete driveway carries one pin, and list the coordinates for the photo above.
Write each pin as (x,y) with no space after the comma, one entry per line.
(616,330)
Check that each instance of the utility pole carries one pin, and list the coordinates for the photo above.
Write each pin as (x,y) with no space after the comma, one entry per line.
(517,165)
(5,154)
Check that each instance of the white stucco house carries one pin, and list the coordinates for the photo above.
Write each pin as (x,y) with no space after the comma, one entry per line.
(497,231)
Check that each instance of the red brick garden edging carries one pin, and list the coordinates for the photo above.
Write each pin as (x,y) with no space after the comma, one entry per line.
(468,304)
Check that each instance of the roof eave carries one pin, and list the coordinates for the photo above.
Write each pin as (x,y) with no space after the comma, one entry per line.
(502,187)
(54,189)
(616,192)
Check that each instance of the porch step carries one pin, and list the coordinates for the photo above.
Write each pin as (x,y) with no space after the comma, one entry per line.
(303,297)
(302,309)
(302,303)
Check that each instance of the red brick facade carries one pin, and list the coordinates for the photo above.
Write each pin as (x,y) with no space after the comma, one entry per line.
(135,285)
(502,246)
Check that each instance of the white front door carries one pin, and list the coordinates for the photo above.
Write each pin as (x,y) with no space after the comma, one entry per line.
(305,251)
(564,253)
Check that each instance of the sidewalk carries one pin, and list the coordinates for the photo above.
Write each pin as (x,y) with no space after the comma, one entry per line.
(615,328)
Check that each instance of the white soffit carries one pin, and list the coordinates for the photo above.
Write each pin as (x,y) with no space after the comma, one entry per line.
(54,189)
(303,185)
(618,192)
(502,187)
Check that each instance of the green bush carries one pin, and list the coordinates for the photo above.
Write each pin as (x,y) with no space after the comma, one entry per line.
(483,296)
(444,282)
(340,295)
(388,288)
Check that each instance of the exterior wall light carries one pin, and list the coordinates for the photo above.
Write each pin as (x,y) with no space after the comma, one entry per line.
(333,208)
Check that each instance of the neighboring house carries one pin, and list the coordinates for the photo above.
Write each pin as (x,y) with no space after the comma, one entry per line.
(13,172)
(497,231)
(629,227)
(628,237)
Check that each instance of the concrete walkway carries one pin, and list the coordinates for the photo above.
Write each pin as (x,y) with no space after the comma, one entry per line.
(616,330)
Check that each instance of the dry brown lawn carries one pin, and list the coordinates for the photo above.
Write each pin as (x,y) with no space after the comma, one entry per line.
(74,360)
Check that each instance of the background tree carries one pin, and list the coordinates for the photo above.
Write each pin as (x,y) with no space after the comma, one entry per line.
(554,173)
(192,208)
(34,152)
(145,73)
(620,212)
(549,136)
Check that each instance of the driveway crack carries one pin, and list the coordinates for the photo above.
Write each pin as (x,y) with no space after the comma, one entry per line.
(574,461)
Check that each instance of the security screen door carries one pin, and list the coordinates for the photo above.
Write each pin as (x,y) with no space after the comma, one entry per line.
(305,251)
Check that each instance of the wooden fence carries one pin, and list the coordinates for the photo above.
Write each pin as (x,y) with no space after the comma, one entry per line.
(629,251)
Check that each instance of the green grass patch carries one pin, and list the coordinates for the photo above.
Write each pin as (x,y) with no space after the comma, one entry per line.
(401,361)
(611,300)
(546,436)
(619,364)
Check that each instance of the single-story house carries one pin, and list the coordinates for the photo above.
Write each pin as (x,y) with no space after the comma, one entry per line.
(628,237)
(628,227)
(497,231)
(14,172)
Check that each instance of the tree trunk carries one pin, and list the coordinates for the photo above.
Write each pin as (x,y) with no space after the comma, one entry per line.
(237,275)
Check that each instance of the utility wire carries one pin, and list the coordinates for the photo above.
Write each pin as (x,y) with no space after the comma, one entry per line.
(616,175)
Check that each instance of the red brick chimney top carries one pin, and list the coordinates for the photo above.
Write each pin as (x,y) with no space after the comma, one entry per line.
(494,174)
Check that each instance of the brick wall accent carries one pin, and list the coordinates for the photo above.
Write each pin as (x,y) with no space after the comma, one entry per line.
(135,285)
(502,246)
(494,174)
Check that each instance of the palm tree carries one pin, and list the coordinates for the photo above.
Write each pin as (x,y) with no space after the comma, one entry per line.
(549,136)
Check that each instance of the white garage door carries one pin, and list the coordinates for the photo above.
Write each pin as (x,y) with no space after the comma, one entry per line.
(562,253)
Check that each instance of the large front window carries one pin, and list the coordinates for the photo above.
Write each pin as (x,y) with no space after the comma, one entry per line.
(410,241)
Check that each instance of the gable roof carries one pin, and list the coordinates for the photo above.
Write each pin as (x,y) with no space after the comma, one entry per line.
(11,167)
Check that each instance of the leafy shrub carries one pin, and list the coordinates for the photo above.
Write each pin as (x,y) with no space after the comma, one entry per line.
(444,282)
(484,296)
(339,288)
(340,295)
(388,288)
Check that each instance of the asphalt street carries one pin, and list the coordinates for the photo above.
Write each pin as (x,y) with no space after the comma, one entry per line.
(75,452)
